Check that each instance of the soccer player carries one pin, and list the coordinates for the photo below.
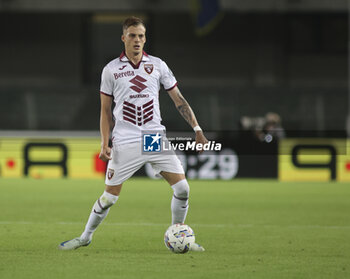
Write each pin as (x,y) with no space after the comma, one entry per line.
(133,81)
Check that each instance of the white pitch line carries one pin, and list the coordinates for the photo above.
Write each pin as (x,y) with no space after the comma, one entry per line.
(192,225)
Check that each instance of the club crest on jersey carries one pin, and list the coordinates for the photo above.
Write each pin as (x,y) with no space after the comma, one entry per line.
(148,68)
(110,173)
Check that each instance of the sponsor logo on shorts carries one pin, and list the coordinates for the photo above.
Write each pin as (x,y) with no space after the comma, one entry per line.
(152,142)
(110,173)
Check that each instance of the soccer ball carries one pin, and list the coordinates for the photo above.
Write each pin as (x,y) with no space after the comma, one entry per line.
(178,238)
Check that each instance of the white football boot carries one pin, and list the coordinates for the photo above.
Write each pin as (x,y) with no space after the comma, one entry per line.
(73,244)
(196,247)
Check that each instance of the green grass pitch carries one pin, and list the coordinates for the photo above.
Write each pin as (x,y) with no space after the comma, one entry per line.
(250,229)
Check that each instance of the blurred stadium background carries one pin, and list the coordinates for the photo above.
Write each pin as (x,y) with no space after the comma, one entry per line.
(242,65)
(266,78)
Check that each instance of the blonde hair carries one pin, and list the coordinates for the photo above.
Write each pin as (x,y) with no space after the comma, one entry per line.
(132,21)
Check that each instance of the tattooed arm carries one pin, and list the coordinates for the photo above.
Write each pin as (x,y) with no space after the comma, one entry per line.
(183,107)
(185,110)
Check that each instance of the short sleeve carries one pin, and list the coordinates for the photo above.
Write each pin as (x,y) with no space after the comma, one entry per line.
(167,77)
(106,82)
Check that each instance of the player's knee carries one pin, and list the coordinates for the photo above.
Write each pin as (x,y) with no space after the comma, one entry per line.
(104,202)
(181,189)
(114,190)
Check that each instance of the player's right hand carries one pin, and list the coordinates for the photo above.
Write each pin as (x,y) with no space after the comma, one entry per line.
(105,154)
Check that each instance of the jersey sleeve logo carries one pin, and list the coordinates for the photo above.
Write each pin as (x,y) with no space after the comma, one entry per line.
(148,68)
(138,115)
(138,84)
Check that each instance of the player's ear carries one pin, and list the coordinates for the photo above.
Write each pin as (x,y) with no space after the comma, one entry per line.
(123,38)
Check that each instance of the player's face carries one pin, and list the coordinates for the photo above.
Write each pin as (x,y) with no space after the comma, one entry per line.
(134,39)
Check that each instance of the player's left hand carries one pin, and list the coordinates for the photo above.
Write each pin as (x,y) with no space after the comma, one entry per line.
(200,138)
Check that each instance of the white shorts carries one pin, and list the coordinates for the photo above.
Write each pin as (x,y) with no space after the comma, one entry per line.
(128,158)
